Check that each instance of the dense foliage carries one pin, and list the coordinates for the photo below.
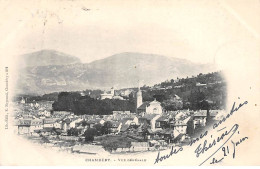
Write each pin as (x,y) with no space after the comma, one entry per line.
(191,94)
(213,89)
(112,143)
(70,101)
(89,134)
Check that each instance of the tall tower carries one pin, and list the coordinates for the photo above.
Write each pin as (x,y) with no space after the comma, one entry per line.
(22,101)
(139,98)
(112,91)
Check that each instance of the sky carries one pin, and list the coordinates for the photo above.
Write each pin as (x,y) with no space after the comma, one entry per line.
(201,31)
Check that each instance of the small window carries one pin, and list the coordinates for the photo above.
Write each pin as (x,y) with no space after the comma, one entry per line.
(155,110)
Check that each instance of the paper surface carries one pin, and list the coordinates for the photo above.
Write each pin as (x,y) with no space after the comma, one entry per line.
(89,47)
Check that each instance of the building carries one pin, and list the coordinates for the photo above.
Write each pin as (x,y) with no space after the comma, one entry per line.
(153,107)
(216,114)
(58,124)
(107,95)
(92,122)
(44,113)
(22,101)
(24,126)
(49,123)
(139,98)
(36,124)
(115,126)
(110,95)
(200,118)
(181,114)
(61,113)
(162,122)
(183,126)
(148,119)
(74,121)
(65,125)
(126,92)
(163,134)
(142,108)
(200,84)
(118,98)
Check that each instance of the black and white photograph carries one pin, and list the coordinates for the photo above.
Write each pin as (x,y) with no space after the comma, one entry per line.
(130,83)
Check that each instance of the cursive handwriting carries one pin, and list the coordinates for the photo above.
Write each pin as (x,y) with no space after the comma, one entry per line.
(173,151)
(214,161)
(235,144)
(234,109)
(206,147)
(198,138)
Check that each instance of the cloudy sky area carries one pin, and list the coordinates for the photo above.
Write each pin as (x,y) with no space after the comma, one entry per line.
(195,30)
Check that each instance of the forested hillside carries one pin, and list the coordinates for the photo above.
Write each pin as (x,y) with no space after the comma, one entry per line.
(191,91)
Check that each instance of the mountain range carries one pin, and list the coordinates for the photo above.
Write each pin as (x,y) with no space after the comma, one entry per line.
(49,71)
(48,57)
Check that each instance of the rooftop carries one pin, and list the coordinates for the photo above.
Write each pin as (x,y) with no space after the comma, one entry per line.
(144,105)
(200,113)
(163,118)
(148,116)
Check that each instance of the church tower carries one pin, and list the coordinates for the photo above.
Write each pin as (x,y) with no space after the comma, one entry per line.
(112,91)
(139,98)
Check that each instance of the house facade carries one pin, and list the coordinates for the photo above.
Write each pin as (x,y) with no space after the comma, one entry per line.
(153,107)
(24,127)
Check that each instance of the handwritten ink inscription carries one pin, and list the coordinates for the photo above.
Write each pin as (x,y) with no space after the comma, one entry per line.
(206,146)
(164,157)
(219,142)
(237,143)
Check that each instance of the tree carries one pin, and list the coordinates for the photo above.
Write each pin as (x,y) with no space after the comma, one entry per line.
(84,123)
(54,130)
(172,104)
(89,134)
(113,143)
(73,132)
(66,101)
(98,128)
(145,131)
(110,146)
(106,129)
(87,105)
(159,97)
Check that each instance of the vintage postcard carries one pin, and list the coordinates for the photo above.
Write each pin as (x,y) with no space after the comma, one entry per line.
(130,83)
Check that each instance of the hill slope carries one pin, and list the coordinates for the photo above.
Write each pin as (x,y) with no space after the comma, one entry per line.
(120,70)
(48,57)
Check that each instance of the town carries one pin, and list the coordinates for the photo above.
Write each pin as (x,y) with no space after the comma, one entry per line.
(147,125)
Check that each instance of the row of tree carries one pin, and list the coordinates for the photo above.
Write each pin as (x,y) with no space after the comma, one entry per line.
(190,93)
(191,96)
(90,133)
(71,101)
